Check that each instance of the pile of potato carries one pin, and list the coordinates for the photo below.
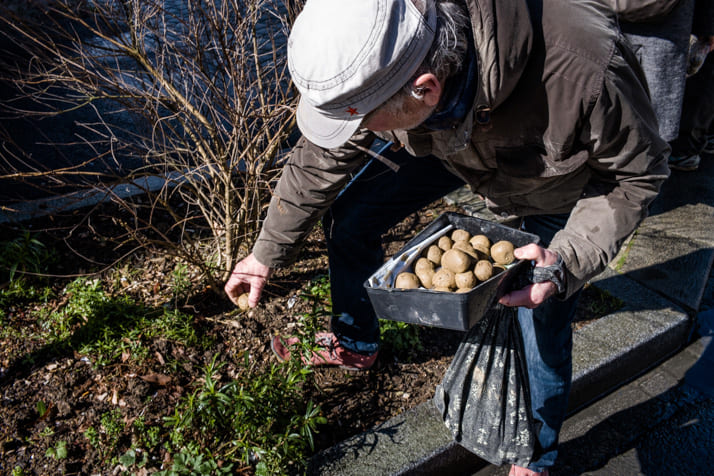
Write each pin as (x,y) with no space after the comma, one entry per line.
(457,263)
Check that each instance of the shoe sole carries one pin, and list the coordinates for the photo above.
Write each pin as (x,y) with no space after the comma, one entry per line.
(275,351)
(680,168)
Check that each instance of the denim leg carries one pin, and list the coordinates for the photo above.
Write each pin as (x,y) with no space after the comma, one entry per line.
(548,340)
(376,200)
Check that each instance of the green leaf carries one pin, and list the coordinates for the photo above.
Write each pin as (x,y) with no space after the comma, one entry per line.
(128,459)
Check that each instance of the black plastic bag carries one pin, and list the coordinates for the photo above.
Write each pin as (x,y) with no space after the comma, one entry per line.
(484,397)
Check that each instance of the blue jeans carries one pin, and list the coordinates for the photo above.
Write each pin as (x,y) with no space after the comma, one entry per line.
(548,341)
(375,201)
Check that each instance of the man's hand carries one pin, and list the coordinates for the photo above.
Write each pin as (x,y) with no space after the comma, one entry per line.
(535,294)
(249,275)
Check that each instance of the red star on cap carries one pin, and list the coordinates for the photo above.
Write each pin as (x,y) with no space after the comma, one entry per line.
(352,111)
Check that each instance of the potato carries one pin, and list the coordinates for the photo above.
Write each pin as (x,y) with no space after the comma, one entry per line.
(426,277)
(243,302)
(502,252)
(444,278)
(466,247)
(460,235)
(445,243)
(433,254)
(443,289)
(455,260)
(498,268)
(481,244)
(465,280)
(406,281)
(483,270)
(423,264)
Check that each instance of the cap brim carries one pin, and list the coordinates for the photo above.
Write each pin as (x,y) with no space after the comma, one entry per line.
(325,131)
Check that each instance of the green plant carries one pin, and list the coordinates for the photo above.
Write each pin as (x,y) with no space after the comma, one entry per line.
(18,471)
(180,282)
(105,439)
(258,418)
(92,436)
(133,458)
(319,289)
(187,463)
(19,292)
(146,436)
(599,302)
(624,252)
(105,327)
(59,451)
(112,425)
(318,295)
(399,336)
(41,408)
(25,253)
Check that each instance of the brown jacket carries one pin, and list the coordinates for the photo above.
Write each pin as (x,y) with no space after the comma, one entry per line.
(571,130)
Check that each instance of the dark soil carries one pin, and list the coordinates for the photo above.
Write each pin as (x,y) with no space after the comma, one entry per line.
(77,392)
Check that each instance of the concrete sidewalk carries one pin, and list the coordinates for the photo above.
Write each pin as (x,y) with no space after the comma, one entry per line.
(663,274)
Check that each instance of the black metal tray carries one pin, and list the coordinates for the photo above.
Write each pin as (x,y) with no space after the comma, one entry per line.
(459,311)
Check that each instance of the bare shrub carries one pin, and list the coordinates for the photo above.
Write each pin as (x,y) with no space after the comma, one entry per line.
(192,94)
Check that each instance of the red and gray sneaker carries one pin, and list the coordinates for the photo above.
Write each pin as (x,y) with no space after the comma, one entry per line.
(328,351)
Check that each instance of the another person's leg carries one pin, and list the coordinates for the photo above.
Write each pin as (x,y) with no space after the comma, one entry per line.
(548,340)
(662,48)
(696,122)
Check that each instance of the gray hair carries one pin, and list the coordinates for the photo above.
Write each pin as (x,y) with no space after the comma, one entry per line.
(446,55)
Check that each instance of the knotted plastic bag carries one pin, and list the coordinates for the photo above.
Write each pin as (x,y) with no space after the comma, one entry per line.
(484,398)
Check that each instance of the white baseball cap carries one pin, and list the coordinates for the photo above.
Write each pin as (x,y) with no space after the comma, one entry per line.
(347,57)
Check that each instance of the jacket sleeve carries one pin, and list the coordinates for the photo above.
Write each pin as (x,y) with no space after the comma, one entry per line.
(642,11)
(310,181)
(628,164)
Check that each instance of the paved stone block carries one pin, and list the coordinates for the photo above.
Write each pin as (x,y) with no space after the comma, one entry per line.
(674,267)
(680,363)
(682,189)
(689,222)
(658,382)
(620,400)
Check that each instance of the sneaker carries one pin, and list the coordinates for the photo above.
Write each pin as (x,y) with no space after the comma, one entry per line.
(688,163)
(520,471)
(329,351)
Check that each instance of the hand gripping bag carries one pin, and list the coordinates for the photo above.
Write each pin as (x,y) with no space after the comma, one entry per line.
(484,398)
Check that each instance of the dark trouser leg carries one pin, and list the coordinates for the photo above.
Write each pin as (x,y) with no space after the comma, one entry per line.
(374,202)
(697,111)
(548,342)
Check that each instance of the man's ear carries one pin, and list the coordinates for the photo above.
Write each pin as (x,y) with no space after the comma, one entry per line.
(427,88)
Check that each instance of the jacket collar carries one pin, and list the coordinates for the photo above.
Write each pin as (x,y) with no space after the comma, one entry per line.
(503,38)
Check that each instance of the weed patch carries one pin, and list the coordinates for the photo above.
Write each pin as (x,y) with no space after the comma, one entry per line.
(257,418)
(108,328)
